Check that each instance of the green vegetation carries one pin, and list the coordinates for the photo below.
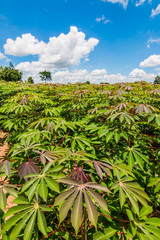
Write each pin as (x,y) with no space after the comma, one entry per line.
(30,80)
(157,80)
(45,76)
(83,161)
(10,74)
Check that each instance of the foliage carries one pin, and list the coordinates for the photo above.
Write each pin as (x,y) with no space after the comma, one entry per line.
(83,161)
(45,76)
(30,80)
(157,80)
(10,74)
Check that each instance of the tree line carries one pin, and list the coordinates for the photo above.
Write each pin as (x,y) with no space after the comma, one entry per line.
(10,74)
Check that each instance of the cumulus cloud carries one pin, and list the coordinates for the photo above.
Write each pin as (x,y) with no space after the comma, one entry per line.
(155,11)
(123,2)
(24,46)
(141,75)
(95,76)
(33,67)
(78,75)
(60,52)
(152,61)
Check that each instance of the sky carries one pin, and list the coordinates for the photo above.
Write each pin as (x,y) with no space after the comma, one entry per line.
(82,40)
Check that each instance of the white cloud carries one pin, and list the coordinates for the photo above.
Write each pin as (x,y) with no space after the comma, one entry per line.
(60,52)
(100,18)
(141,75)
(33,67)
(2,56)
(152,61)
(155,11)
(23,46)
(123,2)
(152,40)
(82,75)
(140,3)
(96,76)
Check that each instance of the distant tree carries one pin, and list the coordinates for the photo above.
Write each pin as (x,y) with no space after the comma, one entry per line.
(157,80)
(30,80)
(11,66)
(10,74)
(45,76)
(87,82)
(104,83)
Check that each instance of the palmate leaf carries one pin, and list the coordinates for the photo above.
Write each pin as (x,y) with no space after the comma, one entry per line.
(122,117)
(133,191)
(51,156)
(25,218)
(99,166)
(27,168)
(134,155)
(24,146)
(71,196)
(66,206)
(39,184)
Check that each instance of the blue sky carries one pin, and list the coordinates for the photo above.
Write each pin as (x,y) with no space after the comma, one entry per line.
(79,40)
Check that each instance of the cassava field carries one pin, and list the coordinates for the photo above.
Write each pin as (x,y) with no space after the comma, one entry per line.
(83,161)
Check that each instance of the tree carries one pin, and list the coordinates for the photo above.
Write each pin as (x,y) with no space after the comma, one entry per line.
(45,76)
(157,80)
(10,74)
(87,82)
(30,80)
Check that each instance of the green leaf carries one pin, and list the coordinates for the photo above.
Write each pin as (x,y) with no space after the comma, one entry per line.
(62,196)
(91,209)
(28,184)
(109,232)
(11,191)
(29,227)
(66,206)
(117,137)
(13,220)
(3,200)
(21,200)
(138,160)
(76,214)
(153,221)
(109,136)
(43,190)
(145,211)
(45,208)
(121,197)
(133,202)
(32,190)
(99,236)
(130,160)
(17,229)
(42,225)
(53,185)
(97,197)
(17,209)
